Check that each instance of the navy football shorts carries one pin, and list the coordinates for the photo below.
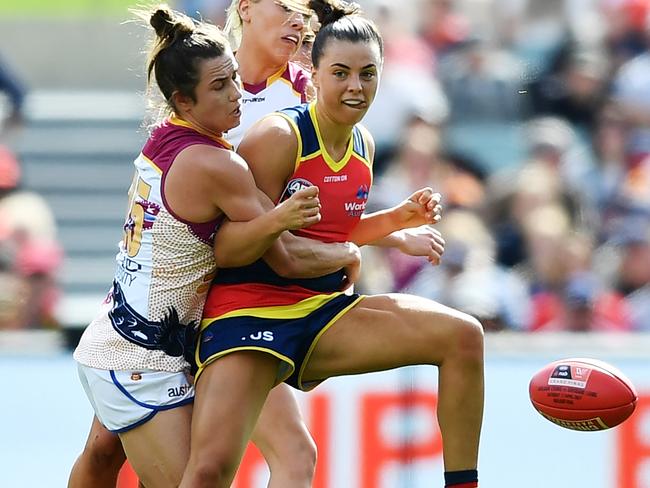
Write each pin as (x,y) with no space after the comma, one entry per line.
(289,333)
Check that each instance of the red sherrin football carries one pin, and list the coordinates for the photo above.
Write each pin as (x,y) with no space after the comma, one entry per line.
(582,394)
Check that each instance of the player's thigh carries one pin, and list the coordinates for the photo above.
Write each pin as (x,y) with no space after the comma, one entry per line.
(158,449)
(280,425)
(387,331)
(230,393)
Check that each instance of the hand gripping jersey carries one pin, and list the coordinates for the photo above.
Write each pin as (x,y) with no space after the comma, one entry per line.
(285,88)
(164,266)
(344,187)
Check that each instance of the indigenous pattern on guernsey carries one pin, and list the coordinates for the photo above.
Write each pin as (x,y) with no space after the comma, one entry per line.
(343,194)
(164,266)
(285,88)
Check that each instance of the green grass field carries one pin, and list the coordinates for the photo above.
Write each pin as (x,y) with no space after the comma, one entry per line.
(67,8)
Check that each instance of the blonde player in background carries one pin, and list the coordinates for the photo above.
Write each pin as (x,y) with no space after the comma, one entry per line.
(133,356)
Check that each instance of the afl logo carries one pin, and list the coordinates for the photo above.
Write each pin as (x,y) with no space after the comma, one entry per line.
(293,186)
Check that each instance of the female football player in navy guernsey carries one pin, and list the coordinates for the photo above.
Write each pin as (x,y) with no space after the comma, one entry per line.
(304,331)
(187,181)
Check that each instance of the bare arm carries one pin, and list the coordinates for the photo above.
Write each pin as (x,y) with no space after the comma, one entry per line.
(290,256)
(421,208)
(299,257)
(383,227)
(425,241)
(205,178)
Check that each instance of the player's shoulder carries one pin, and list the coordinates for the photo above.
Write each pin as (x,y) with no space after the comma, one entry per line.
(211,161)
(300,81)
(368,141)
(297,75)
(272,137)
(273,125)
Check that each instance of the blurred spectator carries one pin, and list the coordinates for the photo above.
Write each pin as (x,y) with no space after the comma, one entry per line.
(470,279)
(574,88)
(580,306)
(565,293)
(419,160)
(633,242)
(442,27)
(30,254)
(625,26)
(544,178)
(15,92)
(608,143)
(553,250)
(553,142)
(482,83)
(539,30)
(629,118)
(631,93)
(408,87)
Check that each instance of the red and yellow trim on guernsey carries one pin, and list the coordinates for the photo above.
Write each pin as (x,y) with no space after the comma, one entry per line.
(335,166)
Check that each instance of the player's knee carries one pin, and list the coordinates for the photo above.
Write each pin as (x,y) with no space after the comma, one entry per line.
(213,471)
(469,339)
(295,457)
(105,452)
(300,461)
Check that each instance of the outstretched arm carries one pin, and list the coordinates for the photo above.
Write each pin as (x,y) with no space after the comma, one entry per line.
(421,208)
(425,241)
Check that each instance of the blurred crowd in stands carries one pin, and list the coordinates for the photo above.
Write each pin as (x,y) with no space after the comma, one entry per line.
(533,120)
(30,255)
(531,117)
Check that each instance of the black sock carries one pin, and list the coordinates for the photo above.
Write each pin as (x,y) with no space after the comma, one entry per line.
(453,478)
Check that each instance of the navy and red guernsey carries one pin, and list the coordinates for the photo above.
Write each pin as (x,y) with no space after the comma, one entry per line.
(344,187)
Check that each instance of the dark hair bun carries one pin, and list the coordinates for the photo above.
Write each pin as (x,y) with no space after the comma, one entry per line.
(167,25)
(329,11)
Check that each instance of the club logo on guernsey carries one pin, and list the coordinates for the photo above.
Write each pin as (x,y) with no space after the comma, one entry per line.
(151,211)
(293,186)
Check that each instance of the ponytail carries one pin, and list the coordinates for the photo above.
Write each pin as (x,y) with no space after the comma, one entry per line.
(342,21)
(179,45)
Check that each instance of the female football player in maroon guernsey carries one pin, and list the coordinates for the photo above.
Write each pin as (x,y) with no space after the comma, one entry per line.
(188,180)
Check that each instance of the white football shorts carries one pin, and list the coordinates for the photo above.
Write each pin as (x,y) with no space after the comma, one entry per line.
(123,400)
